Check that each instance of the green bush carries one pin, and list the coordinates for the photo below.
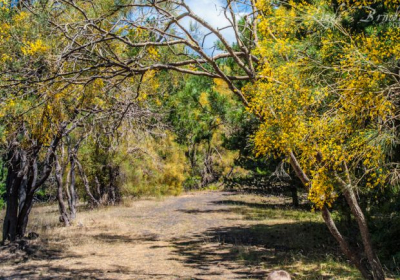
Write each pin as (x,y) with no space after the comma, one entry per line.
(192,183)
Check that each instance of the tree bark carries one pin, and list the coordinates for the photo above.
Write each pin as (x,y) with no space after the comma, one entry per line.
(23,163)
(27,202)
(64,217)
(114,195)
(344,246)
(21,175)
(13,182)
(350,253)
(24,215)
(22,192)
(376,267)
(72,191)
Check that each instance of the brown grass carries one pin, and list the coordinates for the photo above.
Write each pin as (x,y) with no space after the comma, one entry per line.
(203,235)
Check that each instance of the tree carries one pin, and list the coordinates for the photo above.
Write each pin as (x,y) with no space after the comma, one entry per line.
(39,110)
(325,94)
(24,139)
(201,112)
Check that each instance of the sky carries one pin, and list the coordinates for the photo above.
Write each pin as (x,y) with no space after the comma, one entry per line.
(211,11)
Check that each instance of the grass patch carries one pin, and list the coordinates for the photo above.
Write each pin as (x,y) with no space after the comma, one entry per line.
(293,239)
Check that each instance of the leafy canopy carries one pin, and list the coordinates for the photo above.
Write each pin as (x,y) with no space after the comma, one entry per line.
(324,91)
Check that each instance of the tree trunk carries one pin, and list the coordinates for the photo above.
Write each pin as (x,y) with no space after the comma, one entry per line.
(192,156)
(114,195)
(98,186)
(64,218)
(344,246)
(22,192)
(27,201)
(23,163)
(376,267)
(72,192)
(13,182)
(208,174)
(24,215)
(350,253)
(21,175)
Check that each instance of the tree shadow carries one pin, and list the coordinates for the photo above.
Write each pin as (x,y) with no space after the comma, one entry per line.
(23,251)
(208,211)
(274,206)
(252,251)
(23,256)
(47,271)
(255,210)
(116,238)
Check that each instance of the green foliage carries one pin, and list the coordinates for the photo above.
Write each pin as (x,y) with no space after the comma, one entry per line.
(41,194)
(202,112)
(192,182)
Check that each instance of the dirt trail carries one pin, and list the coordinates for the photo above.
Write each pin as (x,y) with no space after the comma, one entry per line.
(175,238)
(202,235)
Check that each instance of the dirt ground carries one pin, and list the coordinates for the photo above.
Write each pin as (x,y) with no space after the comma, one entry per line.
(202,235)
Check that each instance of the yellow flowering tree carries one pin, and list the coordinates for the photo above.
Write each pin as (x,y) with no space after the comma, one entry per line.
(325,94)
(39,109)
(25,114)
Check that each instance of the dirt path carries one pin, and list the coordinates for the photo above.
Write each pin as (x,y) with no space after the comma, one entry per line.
(203,235)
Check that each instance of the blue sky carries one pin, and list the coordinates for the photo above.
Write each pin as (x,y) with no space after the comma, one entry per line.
(210,10)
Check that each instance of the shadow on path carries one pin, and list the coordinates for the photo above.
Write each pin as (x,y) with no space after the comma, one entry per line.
(246,250)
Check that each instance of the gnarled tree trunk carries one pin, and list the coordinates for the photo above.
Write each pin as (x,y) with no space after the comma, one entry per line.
(22,164)
(295,196)
(13,182)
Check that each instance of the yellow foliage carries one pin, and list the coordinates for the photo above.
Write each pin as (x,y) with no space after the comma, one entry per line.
(153,53)
(361,3)
(21,16)
(149,85)
(5,57)
(318,106)
(32,48)
(222,87)
(203,99)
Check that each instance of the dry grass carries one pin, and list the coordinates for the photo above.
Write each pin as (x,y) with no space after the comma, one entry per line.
(206,235)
